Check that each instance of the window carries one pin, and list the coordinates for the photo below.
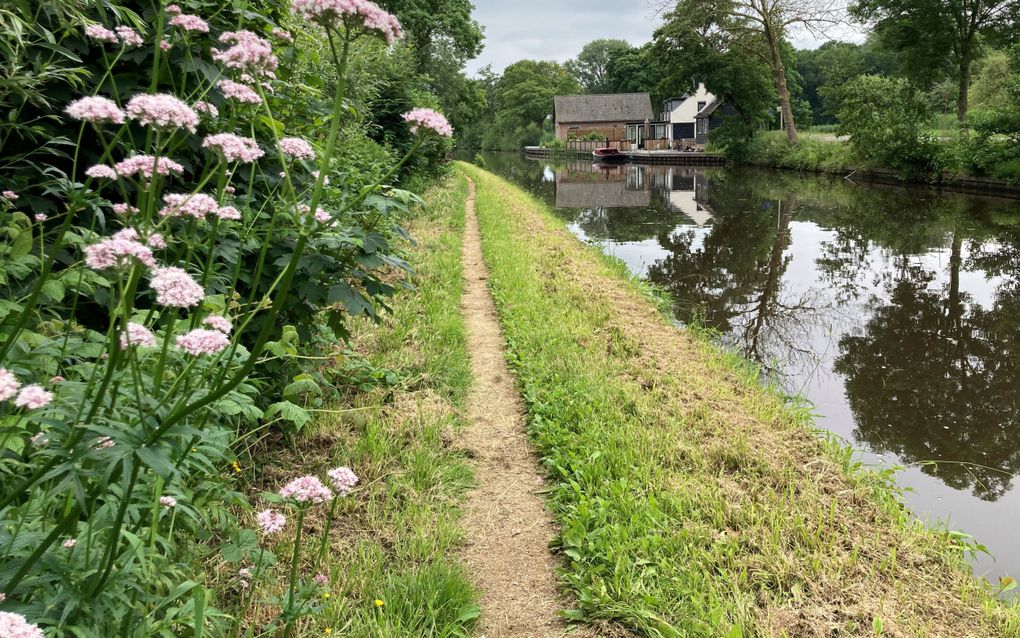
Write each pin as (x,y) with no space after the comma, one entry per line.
(701,105)
(659,132)
(702,126)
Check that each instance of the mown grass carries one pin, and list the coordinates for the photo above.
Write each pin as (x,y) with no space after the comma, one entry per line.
(396,538)
(693,501)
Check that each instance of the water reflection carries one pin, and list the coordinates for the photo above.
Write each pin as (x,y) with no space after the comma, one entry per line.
(895,311)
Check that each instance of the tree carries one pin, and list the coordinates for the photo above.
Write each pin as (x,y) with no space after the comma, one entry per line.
(758,28)
(592,66)
(435,25)
(635,72)
(935,34)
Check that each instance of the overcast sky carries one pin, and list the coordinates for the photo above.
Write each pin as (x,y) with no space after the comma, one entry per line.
(558,29)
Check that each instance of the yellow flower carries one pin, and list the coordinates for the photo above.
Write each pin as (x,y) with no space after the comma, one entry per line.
(237,468)
(325,594)
(379,603)
(328,631)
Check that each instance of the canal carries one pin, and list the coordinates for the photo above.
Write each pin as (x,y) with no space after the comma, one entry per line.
(895,311)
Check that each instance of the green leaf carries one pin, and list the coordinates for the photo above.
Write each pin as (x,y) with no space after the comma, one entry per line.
(158,460)
(22,244)
(302,384)
(289,412)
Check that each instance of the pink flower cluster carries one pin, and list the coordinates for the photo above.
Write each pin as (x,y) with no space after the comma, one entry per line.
(175,287)
(98,110)
(125,209)
(306,489)
(162,111)
(331,13)
(234,148)
(137,335)
(249,53)
(206,108)
(101,171)
(146,165)
(202,341)
(33,397)
(321,580)
(129,37)
(228,213)
(343,479)
(70,543)
(427,118)
(100,33)
(168,501)
(10,195)
(9,384)
(271,522)
(240,92)
(196,205)
(282,35)
(189,22)
(118,251)
(217,322)
(16,626)
(297,148)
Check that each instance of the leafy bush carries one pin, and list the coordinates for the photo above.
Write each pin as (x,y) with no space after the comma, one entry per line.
(886,120)
(168,244)
(774,149)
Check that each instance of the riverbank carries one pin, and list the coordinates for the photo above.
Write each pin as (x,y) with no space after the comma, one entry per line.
(693,502)
(825,155)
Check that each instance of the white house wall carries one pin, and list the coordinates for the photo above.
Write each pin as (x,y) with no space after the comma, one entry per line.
(685,112)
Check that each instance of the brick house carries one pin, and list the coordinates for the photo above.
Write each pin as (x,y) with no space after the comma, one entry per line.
(608,116)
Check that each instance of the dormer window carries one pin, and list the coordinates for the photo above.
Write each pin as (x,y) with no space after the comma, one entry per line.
(701,105)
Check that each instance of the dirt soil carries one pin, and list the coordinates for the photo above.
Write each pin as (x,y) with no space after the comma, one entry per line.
(507,526)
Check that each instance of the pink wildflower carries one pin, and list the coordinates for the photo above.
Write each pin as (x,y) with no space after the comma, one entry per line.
(229,189)
(100,33)
(3,597)
(168,501)
(70,543)
(206,108)
(124,209)
(97,110)
(57,379)
(369,15)
(173,9)
(217,322)
(271,522)
(40,440)
(282,35)
(321,579)
(306,489)
(156,241)
(129,37)
(147,165)
(101,171)
(10,195)
(189,23)
(137,335)
(239,92)
(197,205)
(165,46)
(175,287)
(116,252)
(162,111)
(228,213)
(234,148)
(343,479)
(297,147)
(16,626)
(202,341)
(9,384)
(325,180)
(427,118)
(322,216)
(33,397)
(248,53)
(40,217)
(244,577)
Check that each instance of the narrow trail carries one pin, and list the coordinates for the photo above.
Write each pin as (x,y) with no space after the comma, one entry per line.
(507,526)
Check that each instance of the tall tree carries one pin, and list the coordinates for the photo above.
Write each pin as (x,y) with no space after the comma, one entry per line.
(758,28)
(932,34)
(593,64)
(435,25)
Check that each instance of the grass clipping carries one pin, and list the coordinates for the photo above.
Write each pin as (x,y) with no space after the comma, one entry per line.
(692,501)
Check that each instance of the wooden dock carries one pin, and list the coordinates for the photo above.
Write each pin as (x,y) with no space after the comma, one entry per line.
(673,158)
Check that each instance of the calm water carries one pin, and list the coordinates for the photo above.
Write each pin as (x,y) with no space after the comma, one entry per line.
(895,311)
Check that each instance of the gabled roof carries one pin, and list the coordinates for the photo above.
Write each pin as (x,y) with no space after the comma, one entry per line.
(709,109)
(617,107)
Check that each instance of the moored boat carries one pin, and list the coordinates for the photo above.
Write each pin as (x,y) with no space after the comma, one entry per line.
(608,155)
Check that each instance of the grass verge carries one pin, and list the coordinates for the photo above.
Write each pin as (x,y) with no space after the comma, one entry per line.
(395,540)
(692,500)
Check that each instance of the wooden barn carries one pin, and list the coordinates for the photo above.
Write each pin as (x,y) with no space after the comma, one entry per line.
(608,116)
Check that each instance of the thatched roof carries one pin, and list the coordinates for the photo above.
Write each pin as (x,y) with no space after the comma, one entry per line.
(618,107)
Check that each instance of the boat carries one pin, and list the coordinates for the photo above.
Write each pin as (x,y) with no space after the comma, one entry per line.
(607,155)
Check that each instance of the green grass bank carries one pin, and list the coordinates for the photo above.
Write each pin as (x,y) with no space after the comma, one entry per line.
(396,539)
(692,500)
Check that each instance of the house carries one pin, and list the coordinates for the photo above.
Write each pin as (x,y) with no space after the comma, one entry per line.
(608,116)
(711,117)
(681,113)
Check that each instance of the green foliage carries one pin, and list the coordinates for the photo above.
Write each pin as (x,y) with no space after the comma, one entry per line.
(808,154)
(994,148)
(594,66)
(886,120)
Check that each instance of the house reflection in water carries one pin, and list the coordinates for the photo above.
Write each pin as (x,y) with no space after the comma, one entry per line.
(681,190)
